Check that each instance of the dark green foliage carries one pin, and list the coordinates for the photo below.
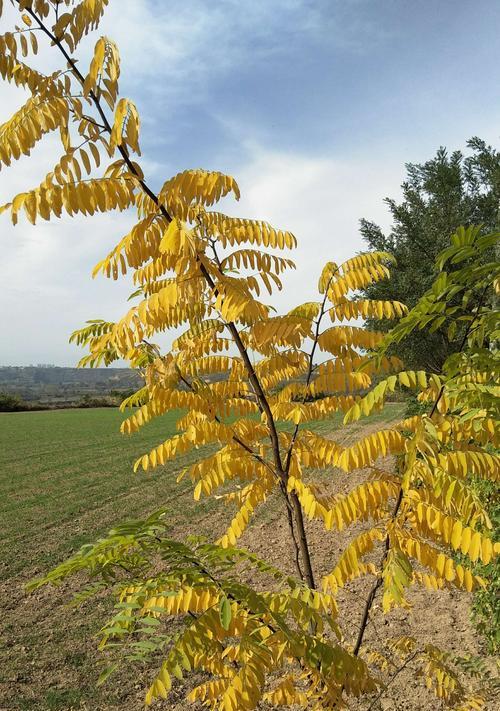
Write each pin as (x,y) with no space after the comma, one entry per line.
(11,403)
(415,407)
(447,191)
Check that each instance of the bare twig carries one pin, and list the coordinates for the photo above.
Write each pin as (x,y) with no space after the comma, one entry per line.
(392,679)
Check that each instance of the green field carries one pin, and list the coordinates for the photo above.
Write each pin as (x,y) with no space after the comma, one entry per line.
(65,478)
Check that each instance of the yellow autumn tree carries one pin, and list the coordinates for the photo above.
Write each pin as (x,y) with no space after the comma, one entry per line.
(280,639)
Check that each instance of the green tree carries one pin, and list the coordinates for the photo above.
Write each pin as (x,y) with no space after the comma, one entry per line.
(10,403)
(439,195)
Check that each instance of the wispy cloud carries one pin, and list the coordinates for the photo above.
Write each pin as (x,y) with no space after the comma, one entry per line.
(184,44)
(313,105)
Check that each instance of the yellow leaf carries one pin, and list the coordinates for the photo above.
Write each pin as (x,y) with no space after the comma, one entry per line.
(456,535)
(466,540)
(475,547)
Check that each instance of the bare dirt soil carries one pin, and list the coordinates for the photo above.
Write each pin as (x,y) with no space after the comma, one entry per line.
(50,662)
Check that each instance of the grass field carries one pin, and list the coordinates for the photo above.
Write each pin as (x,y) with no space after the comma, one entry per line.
(65,478)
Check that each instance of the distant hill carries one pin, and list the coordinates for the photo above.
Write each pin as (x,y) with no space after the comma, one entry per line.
(51,384)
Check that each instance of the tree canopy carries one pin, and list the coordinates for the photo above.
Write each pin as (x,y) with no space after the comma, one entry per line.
(439,195)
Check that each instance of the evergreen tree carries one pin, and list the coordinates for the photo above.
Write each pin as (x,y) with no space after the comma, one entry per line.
(439,195)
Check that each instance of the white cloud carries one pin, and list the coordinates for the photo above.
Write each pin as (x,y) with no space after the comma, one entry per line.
(321,202)
(47,290)
(171,53)
(182,45)
(46,269)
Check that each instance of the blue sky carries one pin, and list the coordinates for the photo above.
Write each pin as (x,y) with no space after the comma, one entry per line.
(313,105)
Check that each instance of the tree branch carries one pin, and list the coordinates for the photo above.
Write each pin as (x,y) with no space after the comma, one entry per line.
(310,369)
(230,325)
(392,679)
(81,79)
(297,519)
(378,582)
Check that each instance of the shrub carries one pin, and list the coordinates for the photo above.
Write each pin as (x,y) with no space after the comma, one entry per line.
(11,403)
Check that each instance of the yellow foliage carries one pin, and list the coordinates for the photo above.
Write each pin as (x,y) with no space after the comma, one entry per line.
(287,331)
(245,379)
(198,187)
(136,248)
(397,576)
(350,564)
(315,451)
(345,310)
(250,498)
(368,500)
(235,230)
(438,562)
(298,412)
(466,462)
(257,261)
(286,694)
(356,278)
(433,523)
(104,71)
(368,449)
(87,197)
(73,26)
(27,126)
(334,339)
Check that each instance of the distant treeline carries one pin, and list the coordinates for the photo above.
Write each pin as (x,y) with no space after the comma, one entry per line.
(49,387)
(13,403)
(38,378)
(43,387)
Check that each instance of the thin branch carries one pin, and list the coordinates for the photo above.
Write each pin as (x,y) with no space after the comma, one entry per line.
(261,460)
(378,582)
(94,122)
(28,29)
(310,369)
(79,76)
(230,325)
(80,145)
(392,679)
(290,498)
(237,439)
